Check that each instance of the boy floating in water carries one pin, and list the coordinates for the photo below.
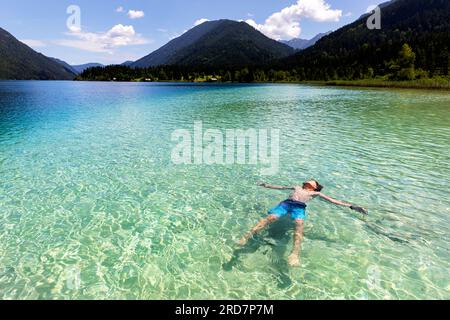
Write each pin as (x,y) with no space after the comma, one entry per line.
(296,207)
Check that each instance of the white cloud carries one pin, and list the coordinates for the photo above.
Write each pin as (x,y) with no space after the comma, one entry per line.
(285,24)
(74,28)
(34,43)
(136,14)
(120,9)
(117,36)
(200,21)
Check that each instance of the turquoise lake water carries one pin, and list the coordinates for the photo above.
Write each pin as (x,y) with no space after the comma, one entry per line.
(92,207)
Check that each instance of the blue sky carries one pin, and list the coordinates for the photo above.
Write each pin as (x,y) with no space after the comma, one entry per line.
(110,35)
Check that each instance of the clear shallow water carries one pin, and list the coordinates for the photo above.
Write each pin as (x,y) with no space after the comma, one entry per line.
(91,205)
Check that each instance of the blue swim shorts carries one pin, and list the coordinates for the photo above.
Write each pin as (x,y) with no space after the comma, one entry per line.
(296,209)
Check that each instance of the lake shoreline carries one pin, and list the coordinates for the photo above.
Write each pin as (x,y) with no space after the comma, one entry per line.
(426,85)
(415,84)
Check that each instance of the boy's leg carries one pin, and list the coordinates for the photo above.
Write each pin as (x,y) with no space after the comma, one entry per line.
(261,225)
(293,259)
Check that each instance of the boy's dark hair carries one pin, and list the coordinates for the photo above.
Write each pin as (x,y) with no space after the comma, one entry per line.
(319,186)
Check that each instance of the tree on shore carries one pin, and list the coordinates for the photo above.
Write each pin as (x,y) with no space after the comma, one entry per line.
(405,62)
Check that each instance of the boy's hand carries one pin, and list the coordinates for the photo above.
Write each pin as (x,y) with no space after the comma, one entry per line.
(262,184)
(359,209)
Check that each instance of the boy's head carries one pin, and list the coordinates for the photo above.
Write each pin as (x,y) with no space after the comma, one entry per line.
(312,185)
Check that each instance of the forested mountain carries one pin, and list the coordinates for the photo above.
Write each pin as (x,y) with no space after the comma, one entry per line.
(413,42)
(301,44)
(127,63)
(81,67)
(66,65)
(218,43)
(77,69)
(18,61)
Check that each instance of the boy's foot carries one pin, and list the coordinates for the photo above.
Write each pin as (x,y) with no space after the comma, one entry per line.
(294,261)
(242,242)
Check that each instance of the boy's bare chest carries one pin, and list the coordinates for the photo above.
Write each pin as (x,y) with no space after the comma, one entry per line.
(301,195)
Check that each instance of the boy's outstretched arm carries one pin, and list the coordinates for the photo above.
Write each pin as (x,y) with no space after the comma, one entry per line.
(342,203)
(268,186)
(334,201)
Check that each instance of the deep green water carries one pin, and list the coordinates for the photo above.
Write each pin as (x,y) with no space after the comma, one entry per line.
(91,205)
